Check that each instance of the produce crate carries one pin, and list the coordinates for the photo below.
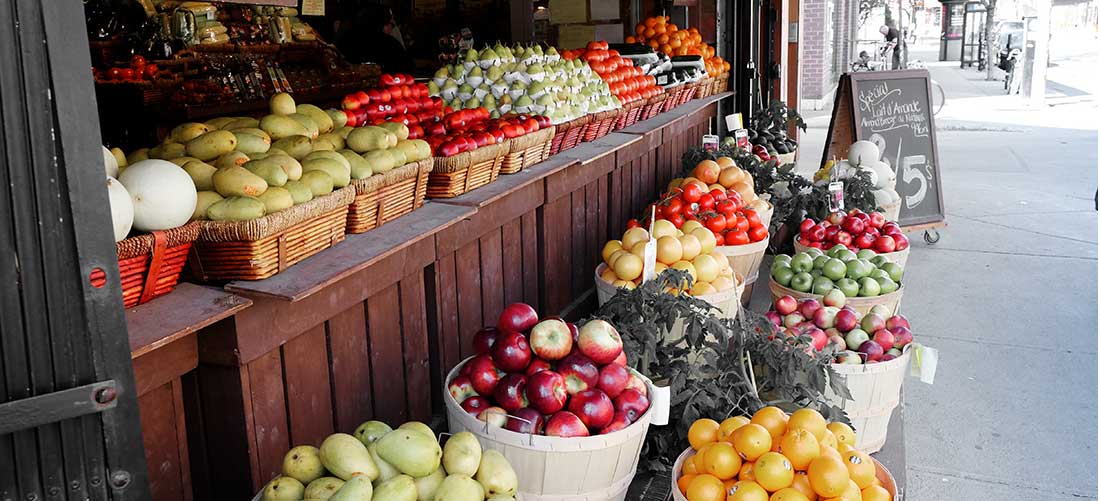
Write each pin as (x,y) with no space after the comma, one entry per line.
(263,247)
(160,255)
(862,305)
(629,115)
(704,88)
(527,150)
(876,391)
(723,82)
(568,134)
(600,125)
(654,106)
(745,259)
(598,467)
(899,257)
(385,197)
(454,175)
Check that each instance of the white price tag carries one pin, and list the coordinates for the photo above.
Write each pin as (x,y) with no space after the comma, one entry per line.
(734,121)
(836,196)
(661,402)
(649,258)
(710,142)
(925,360)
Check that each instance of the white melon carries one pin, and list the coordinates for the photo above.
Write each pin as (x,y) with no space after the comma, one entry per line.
(164,195)
(862,153)
(110,163)
(122,208)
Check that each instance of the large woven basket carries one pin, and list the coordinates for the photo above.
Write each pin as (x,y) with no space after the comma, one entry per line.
(655,105)
(260,248)
(704,88)
(900,257)
(527,150)
(600,125)
(629,114)
(728,301)
(454,175)
(568,134)
(862,305)
(384,197)
(149,265)
(723,82)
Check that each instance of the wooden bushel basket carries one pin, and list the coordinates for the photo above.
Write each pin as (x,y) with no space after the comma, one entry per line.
(149,265)
(568,134)
(745,259)
(629,115)
(727,301)
(899,257)
(385,197)
(527,150)
(704,88)
(876,391)
(260,248)
(595,468)
(600,125)
(862,305)
(466,171)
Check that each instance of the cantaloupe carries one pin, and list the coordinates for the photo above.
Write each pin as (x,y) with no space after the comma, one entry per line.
(163,195)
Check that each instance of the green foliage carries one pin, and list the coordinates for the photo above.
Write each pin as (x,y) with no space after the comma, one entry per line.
(715,367)
(776,117)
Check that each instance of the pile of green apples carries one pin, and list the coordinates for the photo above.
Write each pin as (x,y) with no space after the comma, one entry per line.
(856,274)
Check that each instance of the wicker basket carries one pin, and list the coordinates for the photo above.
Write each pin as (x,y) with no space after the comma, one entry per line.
(674,94)
(384,197)
(466,171)
(629,115)
(723,82)
(260,248)
(654,106)
(728,301)
(160,254)
(876,391)
(600,125)
(862,305)
(527,150)
(568,134)
(704,88)
(899,257)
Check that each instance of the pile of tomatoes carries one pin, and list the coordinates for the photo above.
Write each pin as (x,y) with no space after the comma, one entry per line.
(400,99)
(721,211)
(138,70)
(662,34)
(626,81)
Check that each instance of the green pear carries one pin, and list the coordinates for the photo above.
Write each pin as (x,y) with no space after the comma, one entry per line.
(411,452)
(399,488)
(496,475)
(344,455)
(427,485)
(356,488)
(462,454)
(283,489)
(323,488)
(386,471)
(420,427)
(282,104)
(303,463)
(371,431)
(459,488)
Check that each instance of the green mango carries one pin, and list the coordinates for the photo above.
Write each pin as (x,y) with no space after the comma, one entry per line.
(203,201)
(201,173)
(306,122)
(275,199)
(399,158)
(379,160)
(212,145)
(318,181)
(340,176)
(219,123)
(323,488)
(370,431)
(238,181)
(185,132)
(281,104)
(331,155)
(299,192)
(335,140)
(399,488)
(278,127)
(386,471)
(251,144)
(181,161)
(398,129)
(357,488)
(369,138)
(496,475)
(344,456)
(231,159)
(339,118)
(427,486)
(236,209)
(319,117)
(137,156)
(302,463)
(283,489)
(462,454)
(295,146)
(242,123)
(459,488)
(360,169)
(269,170)
(166,151)
(412,452)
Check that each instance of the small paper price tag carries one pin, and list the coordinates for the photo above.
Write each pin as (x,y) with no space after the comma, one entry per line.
(662,80)
(836,196)
(710,142)
(649,257)
(734,121)
(742,137)
(925,360)
(662,401)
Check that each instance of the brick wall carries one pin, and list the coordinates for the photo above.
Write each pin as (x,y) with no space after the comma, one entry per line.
(827,34)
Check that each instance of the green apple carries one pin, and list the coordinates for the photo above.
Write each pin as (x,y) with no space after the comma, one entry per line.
(868,287)
(836,249)
(886,285)
(846,255)
(780,264)
(865,254)
(881,310)
(815,273)
(820,261)
(856,337)
(894,270)
(803,282)
(782,258)
(878,273)
(802,262)
(822,285)
(879,260)
(814,251)
(782,276)
(849,287)
(834,269)
(856,270)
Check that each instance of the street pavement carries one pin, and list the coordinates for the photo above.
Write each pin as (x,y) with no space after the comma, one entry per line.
(1008,295)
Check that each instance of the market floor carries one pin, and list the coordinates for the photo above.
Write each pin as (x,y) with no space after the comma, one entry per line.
(1007,296)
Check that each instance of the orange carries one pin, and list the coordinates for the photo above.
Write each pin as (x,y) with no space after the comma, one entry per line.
(851,493)
(861,468)
(630,39)
(650,33)
(800,446)
(702,432)
(828,440)
(746,471)
(808,419)
(639,29)
(722,461)
(705,488)
(666,48)
(730,175)
(788,494)
(801,484)
(651,22)
(724,162)
(833,453)
(752,441)
(731,424)
(707,171)
(843,447)
(662,37)
(828,476)
(843,432)
(670,250)
(747,490)
(771,418)
(689,466)
(875,493)
(773,471)
(700,459)
(683,482)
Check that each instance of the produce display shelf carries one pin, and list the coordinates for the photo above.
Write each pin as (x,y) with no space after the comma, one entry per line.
(186,310)
(674,114)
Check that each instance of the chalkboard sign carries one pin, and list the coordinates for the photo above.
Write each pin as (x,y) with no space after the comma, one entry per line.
(892,109)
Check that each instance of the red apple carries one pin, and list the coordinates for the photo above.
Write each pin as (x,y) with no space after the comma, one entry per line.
(461,388)
(807,307)
(825,317)
(632,402)
(495,416)
(817,335)
(844,238)
(621,359)
(511,352)
(510,393)
(573,329)
(525,420)
(537,365)
(551,339)
(901,242)
(484,375)
(350,102)
(845,320)
(884,338)
(805,225)
(838,341)
(786,305)
(865,241)
(484,339)
(902,336)
(872,323)
(612,380)
(897,321)
(599,341)
(835,218)
(877,219)
(565,424)
(593,407)
(580,373)
(638,384)
(774,317)
(793,319)
(474,405)
(884,244)
(517,317)
(871,350)
(546,391)
(835,298)
(619,422)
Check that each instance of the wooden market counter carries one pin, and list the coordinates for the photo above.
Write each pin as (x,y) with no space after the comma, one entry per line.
(370,327)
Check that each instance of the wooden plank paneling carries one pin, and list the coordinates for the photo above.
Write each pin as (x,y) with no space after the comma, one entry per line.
(228,431)
(529,230)
(268,402)
(443,281)
(468,279)
(387,358)
(415,338)
(580,244)
(512,245)
(349,353)
(309,395)
(492,276)
(165,454)
(161,366)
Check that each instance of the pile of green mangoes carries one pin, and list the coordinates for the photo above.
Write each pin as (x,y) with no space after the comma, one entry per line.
(378,463)
(862,274)
(246,168)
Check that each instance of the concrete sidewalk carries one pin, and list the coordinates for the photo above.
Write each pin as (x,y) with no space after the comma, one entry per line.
(1008,296)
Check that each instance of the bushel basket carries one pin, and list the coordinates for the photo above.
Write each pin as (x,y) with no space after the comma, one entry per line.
(654,106)
(260,248)
(568,134)
(600,125)
(876,391)
(149,265)
(629,114)
(527,150)
(384,197)
(862,305)
(454,175)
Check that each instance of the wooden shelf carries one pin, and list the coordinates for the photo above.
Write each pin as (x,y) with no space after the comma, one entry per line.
(185,310)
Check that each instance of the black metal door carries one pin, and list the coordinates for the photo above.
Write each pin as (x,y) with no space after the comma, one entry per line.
(69,426)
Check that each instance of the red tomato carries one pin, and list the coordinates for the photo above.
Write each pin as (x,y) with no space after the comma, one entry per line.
(137,61)
(125,74)
(692,192)
(633,223)
(718,194)
(706,202)
(737,238)
(677,220)
(673,206)
(716,223)
(151,71)
(114,73)
(740,224)
(719,239)
(758,233)
(735,197)
(726,208)
(753,217)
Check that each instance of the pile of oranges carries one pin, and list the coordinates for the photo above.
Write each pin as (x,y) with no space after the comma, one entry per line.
(663,35)
(776,457)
